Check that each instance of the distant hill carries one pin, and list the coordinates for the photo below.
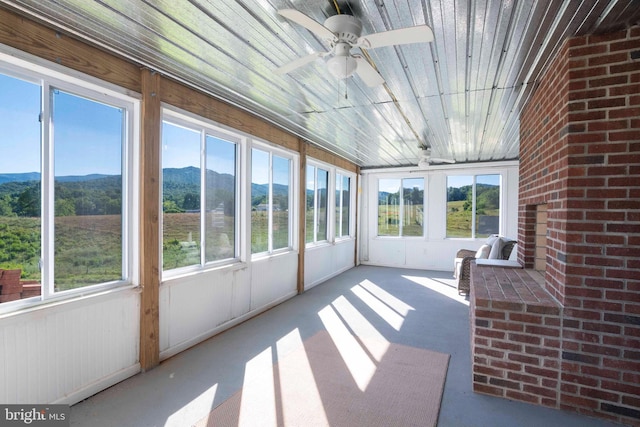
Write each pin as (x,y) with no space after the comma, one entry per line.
(19,177)
(35,176)
(98,194)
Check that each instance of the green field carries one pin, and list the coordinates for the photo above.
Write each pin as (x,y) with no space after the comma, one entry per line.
(389,220)
(88,249)
(459,220)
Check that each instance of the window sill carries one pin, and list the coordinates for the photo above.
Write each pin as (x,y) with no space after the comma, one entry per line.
(64,301)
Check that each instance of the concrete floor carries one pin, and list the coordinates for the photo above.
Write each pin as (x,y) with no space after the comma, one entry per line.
(185,388)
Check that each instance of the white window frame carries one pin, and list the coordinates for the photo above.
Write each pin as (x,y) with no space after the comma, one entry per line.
(21,65)
(206,127)
(330,202)
(401,177)
(474,176)
(273,150)
(352,204)
(332,171)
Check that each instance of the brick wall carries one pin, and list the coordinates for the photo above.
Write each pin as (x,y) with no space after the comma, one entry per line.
(580,154)
(515,332)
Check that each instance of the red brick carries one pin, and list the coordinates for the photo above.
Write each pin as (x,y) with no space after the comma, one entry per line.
(624,45)
(485,389)
(578,379)
(522,397)
(538,330)
(608,81)
(624,112)
(607,103)
(620,387)
(540,391)
(595,393)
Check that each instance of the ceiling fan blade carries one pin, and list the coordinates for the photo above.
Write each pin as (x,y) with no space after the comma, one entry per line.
(419,34)
(308,23)
(300,62)
(438,160)
(367,73)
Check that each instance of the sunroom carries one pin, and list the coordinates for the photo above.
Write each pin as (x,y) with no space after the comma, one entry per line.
(174,169)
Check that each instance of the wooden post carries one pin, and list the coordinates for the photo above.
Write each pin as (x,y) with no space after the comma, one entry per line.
(149,225)
(302,218)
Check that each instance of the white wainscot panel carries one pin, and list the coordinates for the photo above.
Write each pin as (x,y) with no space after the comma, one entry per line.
(69,350)
(273,279)
(344,255)
(195,307)
(325,261)
(387,252)
(436,255)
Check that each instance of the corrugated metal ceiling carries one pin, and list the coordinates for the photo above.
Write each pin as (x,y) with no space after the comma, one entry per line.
(460,94)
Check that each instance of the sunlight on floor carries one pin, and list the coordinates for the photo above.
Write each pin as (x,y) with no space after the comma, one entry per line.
(376,344)
(399,306)
(191,410)
(439,287)
(357,340)
(258,391)
(296,378)
(382,309)
(357,360)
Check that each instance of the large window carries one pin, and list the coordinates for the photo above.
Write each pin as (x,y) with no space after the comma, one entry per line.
(65,211)
(199,194)
(270,201)
(401,207)
(473,206)
(317,200)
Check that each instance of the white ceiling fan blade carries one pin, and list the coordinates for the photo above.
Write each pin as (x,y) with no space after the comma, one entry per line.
(419,34)
(367,73)
(300,62)
(308,23)
(438,160)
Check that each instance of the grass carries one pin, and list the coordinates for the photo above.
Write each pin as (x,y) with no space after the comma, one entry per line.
(389,220)
(459,220)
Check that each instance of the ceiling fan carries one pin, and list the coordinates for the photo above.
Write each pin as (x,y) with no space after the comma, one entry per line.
(426,159)
(342,32)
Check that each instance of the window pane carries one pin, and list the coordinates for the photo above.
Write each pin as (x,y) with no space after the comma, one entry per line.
(281,177)
(388,207)
(220,199)
(259,201)
(310,213)
(323,185)
(338,209)
(88,193)
(413,204)
(342,205)
(20,188)
(180,196)
(459,206)
(487,205)
(346,201)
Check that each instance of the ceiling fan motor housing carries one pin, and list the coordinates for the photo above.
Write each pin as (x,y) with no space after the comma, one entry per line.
(347,28)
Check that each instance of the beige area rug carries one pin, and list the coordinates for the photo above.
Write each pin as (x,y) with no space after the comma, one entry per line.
(325,383)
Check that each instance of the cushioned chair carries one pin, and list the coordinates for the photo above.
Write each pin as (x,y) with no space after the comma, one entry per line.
(496,247)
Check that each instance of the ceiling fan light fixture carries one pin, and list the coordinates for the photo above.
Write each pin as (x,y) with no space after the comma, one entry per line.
(423,163)
(341,67)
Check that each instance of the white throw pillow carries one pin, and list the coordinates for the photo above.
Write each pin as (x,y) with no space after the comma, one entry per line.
(514,253)
(496,249)
(483,252)
(492,239)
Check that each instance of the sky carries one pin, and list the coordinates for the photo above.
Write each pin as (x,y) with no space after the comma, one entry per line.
(392,185)
(87,134)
